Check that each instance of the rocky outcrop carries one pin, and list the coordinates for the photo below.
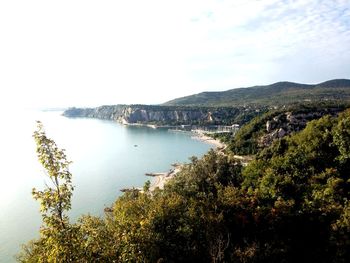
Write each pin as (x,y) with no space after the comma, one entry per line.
(130,114)
(288,122)
(158,115)
(166,115)
(102,112)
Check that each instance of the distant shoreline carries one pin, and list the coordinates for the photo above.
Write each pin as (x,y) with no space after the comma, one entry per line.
(201,136)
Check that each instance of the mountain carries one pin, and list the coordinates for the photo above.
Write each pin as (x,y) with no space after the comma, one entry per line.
(279,93)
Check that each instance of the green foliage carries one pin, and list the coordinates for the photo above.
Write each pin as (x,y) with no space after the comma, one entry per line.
(56,234)
(147,186)
(291,204)
(280,93)
(55,199)
(246,141)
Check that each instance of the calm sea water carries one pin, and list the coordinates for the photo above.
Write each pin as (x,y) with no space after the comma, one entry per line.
(104,157)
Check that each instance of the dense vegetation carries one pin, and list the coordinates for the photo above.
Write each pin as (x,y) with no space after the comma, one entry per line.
(291,204)
(246,140)
(280,93)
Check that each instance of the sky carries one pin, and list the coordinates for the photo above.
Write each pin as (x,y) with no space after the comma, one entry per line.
(90,53)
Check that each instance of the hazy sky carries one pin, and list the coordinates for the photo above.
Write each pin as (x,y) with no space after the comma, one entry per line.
(63,53)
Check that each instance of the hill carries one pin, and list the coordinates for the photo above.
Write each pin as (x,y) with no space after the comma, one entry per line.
(290,204)
(265,129)
(279,93)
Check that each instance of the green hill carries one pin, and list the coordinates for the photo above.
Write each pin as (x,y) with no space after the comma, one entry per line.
(290,204)
(279,93)
(265,129)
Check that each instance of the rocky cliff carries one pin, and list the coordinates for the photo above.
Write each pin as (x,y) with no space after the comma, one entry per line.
(262,131)
(286,123)
(165,115)
(102,112)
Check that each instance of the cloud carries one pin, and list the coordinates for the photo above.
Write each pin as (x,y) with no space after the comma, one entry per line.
(273,34)
(88,52)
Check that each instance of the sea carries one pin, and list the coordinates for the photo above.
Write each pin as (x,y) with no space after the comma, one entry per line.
(106,157)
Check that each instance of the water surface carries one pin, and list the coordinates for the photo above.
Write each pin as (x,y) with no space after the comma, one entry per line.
(105,160)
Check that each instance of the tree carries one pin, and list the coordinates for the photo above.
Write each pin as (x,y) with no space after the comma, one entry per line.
(56,198)
(291,204)
(56,234)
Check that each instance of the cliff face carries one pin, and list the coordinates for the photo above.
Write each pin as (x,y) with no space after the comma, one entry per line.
(102,112)
(290,122)
(276,124)
(142,114)
(164,115)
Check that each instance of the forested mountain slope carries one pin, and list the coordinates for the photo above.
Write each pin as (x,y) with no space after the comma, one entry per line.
(291,204)
(279,93)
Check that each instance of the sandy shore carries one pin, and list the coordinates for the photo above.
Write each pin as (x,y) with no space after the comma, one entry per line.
(204,138)
(161,178)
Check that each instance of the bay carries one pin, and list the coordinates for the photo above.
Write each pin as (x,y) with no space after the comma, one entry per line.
(106,158)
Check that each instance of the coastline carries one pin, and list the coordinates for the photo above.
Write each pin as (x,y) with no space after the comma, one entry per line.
(160,179)
(196,134)
(153,126)
(205,138)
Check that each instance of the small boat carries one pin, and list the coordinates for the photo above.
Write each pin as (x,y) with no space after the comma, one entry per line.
(135,145)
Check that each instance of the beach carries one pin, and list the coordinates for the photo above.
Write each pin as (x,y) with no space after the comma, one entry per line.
(160,179)
(205,138)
